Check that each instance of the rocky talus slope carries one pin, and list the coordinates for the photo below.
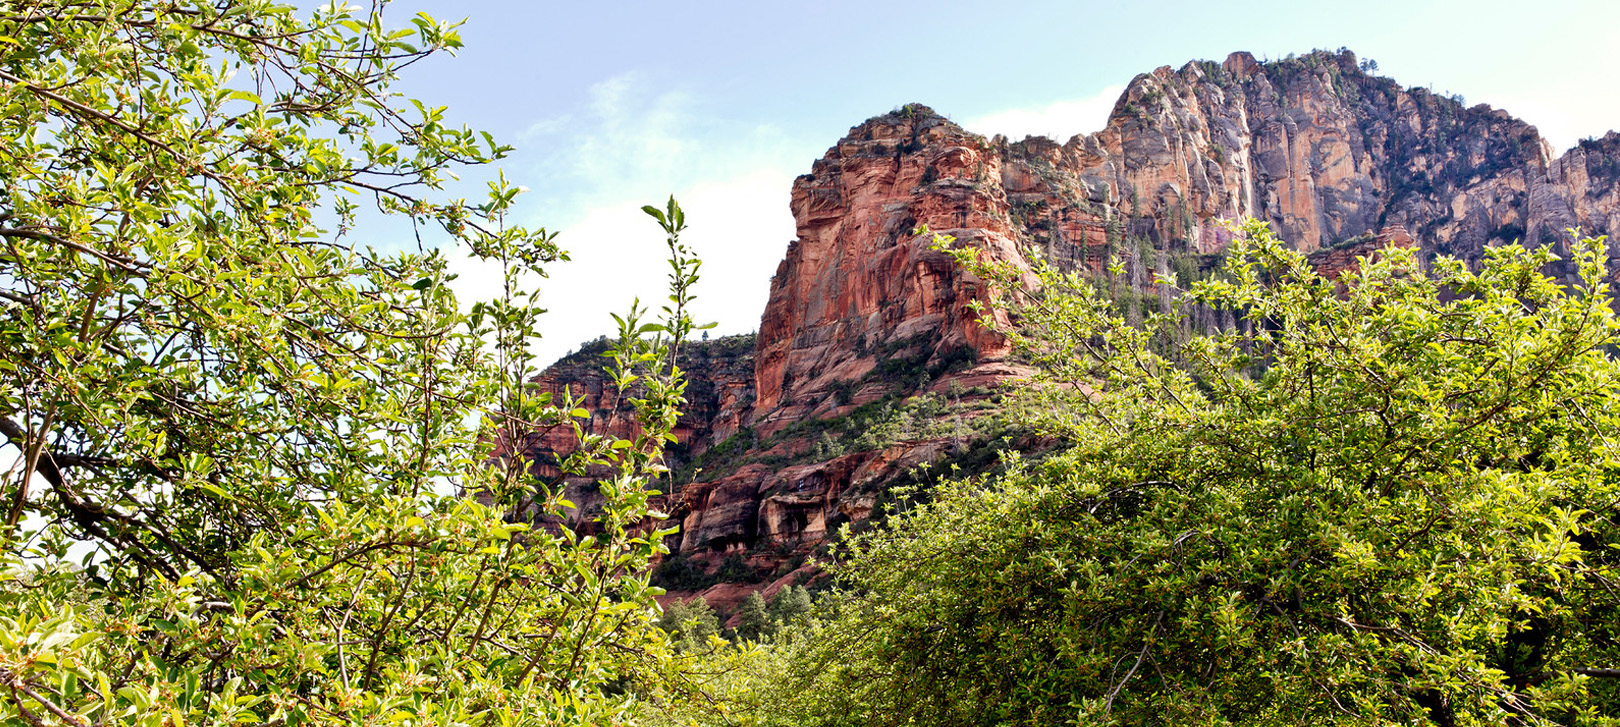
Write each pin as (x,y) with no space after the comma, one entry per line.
(869,363)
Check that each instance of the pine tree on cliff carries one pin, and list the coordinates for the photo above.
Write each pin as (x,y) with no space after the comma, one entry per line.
(789,604)
(755,620)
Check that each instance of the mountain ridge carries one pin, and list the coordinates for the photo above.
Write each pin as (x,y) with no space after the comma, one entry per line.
(869,331)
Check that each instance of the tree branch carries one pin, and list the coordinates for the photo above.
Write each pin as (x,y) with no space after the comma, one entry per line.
(17,684)
(88,515)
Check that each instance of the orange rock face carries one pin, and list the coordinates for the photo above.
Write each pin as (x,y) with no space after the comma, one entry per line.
(860,285)
(1333,262)
(1324,152)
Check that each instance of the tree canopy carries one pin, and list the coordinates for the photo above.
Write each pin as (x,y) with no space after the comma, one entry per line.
(243,438)
(1387,499)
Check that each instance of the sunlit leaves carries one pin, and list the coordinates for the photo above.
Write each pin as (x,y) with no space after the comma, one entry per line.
(1389,499)
(245,440)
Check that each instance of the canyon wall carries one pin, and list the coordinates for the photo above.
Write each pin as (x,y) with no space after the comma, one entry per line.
(865,320)
(1321,150)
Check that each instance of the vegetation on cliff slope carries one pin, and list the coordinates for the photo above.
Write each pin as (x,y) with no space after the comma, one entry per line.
(1393,503)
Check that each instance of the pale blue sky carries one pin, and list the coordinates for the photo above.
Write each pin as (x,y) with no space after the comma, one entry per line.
(613,105)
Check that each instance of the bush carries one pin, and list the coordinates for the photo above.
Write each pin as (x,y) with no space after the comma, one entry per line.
(843,391)
(1407,518)
(680,573)
(735,569)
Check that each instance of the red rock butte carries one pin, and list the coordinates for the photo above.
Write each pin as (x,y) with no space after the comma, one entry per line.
(862,312)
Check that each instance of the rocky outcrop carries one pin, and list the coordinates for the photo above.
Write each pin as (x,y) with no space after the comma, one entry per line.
(859,287)
(1582,189)
(796,505)
(865,318)
(1323,151)
(1333,262)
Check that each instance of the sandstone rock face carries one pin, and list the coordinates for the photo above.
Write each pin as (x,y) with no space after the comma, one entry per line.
(797,505)
(864,313)
(719,396)
(722,513)
(1326,153)
(858,286)
(1321,150)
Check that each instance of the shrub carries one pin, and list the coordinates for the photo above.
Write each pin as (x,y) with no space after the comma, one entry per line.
(1406,518)
(735,569)
(680,573)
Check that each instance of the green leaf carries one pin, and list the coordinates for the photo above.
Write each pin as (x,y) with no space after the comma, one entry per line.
(240,95)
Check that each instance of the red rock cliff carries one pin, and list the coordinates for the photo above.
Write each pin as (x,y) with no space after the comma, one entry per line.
(1323,151)
(859,287)
(863,314)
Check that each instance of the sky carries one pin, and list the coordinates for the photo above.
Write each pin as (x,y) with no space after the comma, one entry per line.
(612,105)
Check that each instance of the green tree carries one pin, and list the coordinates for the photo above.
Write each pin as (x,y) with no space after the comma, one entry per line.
(789,604)
(692,623)
(755,622)
(252,426)
(1393,502)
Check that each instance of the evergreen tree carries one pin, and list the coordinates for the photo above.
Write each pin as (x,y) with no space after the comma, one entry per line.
(789,604)
(691,623)
(755,622)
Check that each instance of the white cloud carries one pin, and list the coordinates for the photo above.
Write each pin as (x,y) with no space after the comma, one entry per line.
(633,144)
(1059,120)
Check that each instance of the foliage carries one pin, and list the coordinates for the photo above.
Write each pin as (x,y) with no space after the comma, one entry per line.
(735,569)
(789,605)
(759,619)
(843,391)
(250,429)
(754,621)
(680,573)
(691,623)
(1391,503)
(919,417)
(721,459)
(871,426)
